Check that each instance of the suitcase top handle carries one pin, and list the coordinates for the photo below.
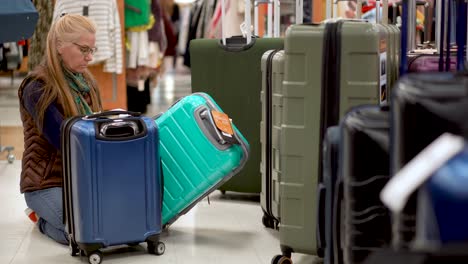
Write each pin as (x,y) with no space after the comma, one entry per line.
(121,129)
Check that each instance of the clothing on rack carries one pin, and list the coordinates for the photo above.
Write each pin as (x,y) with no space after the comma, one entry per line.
(156,33)
(137,13)
(12,56)
(307,11)
(195,14)
(214,29)
(170,36)
(108,40)
(45,8)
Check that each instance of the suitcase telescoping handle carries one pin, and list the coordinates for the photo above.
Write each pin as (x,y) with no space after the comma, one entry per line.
(461,34)
(443,25)
(112,113)
(408,26)
(447,9)
(275,18)
(247,21)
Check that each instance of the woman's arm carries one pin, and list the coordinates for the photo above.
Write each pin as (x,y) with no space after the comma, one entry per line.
(52,118)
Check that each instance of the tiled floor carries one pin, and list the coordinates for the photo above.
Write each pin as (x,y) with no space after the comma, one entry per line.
(228,230)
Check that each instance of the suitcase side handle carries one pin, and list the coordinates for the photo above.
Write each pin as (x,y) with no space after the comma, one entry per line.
(238,138)
(211,129)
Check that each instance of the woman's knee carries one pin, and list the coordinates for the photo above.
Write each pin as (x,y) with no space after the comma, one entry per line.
(47,204)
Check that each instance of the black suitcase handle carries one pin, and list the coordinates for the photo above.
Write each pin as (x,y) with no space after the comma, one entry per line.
(320,231)
(120,129)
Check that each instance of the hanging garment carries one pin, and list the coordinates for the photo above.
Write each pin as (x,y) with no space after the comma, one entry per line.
(108,36)
(12,56)
(45,8)
(210,8)
(137,13)
(170,36)
(156,33)
(195,14)
(138,54)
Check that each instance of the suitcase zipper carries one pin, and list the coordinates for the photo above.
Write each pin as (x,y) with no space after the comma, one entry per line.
(66,189)
(330,94)
(330,90)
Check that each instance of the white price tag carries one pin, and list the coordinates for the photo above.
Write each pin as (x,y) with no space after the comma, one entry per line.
(396,193)
(141,85)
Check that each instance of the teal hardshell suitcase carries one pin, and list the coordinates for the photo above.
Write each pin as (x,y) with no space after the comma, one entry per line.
(197,157)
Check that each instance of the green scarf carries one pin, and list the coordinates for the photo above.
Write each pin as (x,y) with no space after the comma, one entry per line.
(79,87)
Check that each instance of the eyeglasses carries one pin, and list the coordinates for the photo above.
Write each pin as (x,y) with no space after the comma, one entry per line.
(85,50)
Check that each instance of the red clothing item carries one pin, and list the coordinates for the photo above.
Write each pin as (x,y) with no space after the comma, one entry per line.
(170,35)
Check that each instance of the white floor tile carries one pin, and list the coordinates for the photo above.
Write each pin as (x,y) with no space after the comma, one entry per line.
(228,230)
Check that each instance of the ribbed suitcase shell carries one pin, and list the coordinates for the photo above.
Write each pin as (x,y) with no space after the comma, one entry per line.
(234,80)
(269,134)
(193,163)
(112,186)
(364,171)
(307,113)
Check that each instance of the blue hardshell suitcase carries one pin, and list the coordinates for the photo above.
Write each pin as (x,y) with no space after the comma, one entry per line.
(112,182)
(197,157)
(443,206)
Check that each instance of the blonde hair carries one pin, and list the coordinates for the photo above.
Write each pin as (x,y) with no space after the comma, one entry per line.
(67,28)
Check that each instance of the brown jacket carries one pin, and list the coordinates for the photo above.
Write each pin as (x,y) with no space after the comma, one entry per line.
(41,162)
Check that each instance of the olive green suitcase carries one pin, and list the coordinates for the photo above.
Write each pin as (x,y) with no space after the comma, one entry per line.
(329,68)
(231,74)
(389,73)
(270,129)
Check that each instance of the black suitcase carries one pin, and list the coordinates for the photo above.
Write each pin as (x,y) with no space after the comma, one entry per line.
(424,106)
(364,171)
(388,256)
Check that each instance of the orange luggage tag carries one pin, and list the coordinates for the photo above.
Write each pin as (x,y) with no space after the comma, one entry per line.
(223,123)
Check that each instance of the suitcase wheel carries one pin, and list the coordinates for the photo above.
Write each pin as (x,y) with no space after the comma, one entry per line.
(269,222)
(280,259)
(10,158)
(156,248)
(74,250)
(95,257)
